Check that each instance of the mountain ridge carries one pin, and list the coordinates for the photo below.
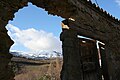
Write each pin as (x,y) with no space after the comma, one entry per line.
(37,55)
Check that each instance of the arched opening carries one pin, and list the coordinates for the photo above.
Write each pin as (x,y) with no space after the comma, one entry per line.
(36,37)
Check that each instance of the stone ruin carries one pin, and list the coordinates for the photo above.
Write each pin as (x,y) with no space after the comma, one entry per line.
(80,56)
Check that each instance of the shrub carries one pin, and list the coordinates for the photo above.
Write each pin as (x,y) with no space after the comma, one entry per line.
(45,77)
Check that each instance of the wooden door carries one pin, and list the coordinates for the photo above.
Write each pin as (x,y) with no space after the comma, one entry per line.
(89,60)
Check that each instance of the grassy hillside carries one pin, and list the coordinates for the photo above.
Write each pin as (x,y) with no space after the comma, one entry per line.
(36,69)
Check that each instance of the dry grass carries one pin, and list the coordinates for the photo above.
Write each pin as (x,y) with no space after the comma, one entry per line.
(36,72)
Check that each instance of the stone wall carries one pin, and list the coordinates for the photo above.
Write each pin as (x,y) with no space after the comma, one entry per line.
(7,10)
(5,70)
(71,69)
(89,21)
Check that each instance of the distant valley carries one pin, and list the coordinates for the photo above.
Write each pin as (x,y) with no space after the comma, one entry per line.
(36,67)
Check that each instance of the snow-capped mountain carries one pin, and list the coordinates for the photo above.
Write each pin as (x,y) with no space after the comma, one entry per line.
(37,55)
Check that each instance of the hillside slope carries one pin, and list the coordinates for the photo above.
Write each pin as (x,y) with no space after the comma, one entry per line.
(28,69)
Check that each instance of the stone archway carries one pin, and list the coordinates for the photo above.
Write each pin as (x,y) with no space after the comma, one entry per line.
(89,20)
(9,9)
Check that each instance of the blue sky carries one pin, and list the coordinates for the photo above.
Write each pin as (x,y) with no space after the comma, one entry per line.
(34,17)
(111,6)
(33,29)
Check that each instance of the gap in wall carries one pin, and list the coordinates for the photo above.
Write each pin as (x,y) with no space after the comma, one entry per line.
(37,45)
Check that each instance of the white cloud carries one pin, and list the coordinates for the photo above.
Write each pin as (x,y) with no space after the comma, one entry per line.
(118,2)
(33,39)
